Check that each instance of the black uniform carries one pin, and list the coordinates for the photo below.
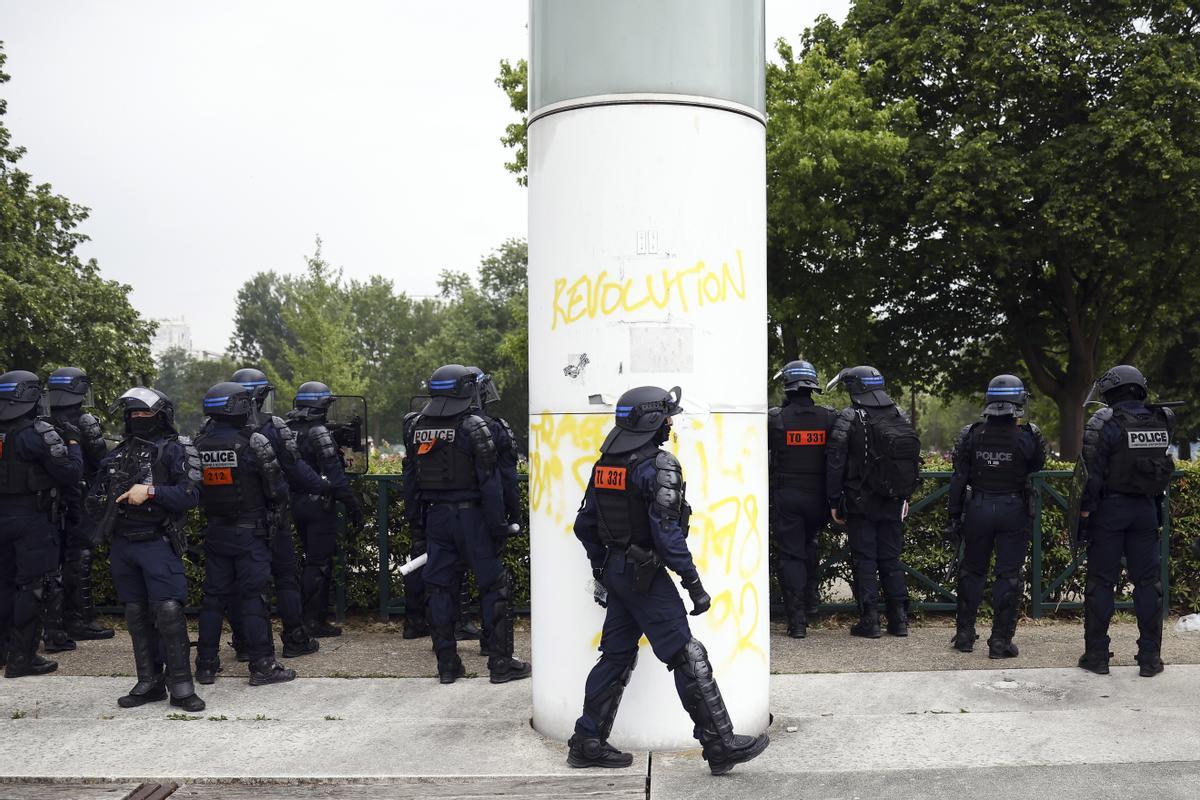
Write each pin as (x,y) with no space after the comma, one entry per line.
(1129,469)
(35,465)
(994,458)
(797,435)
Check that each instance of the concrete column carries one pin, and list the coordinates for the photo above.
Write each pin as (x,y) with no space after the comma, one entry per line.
(647,265)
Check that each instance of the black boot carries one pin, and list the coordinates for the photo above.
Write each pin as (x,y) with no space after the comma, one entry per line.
(151,685)
(964,624)
(81,611)
(797,619)
(415,627)
(450,666)
(207,668)
(1149,664)
(54,632)
(868,622)
(22,658)
(595,751)
(589,752)
(172,630)
(812,599)
(1095,661)
(316,606)
(465,628)
(268,670)
(297,642)
(897,617)
(697,688)
(1004,625)
(501,665)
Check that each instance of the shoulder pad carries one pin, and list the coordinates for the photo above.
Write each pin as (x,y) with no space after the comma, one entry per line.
(965,434)
(1169,416)
(830,409)
(264,452)
(481,439)
(668,484)
(841,425)
(286,435)
(191,458)
(512,437)
(1034,429)
(90,427)
(323,441)
(50,437)
(774,411)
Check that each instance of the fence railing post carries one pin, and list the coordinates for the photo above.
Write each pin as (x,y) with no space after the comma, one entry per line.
(382,510)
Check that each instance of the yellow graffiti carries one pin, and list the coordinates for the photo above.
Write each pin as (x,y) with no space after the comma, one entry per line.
(602,294)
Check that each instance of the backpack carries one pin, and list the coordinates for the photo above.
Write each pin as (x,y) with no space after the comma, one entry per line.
(893,458)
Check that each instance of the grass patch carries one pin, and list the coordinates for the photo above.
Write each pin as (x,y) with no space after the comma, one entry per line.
(20,714)
(221,718)
(182,717)
(330,717)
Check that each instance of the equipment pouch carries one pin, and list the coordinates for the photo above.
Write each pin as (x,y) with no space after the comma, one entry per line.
(646,564)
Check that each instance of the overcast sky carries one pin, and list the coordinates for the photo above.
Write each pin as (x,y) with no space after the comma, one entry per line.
(214,140)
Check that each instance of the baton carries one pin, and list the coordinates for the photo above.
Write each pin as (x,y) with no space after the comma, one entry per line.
(414,564)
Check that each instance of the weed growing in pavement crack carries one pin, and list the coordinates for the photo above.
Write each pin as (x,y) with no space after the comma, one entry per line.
(182,717)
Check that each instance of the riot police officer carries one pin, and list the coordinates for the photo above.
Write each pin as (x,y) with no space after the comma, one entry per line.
(873,459)
(314,513)
(301,479)
(457,480)
(241,485)
(35,464)
(416,601)
(633,525)
(992,463)
(145,486)
(797,434)
(70,392)
(1128,471)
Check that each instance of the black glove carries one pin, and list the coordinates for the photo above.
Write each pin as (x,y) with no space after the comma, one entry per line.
(1081,531)
(953,531)
(68,431)
(418,542)
(701,602)
(598,572)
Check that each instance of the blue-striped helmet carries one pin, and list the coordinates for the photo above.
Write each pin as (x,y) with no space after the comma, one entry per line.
(313,394)
(799,375)
(20,392)
(1005,397)
(452,390)
(228,399)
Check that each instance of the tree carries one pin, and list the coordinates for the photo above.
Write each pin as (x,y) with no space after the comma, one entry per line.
(514,80)
(259,332)
(1053,181)
(186,379)
(59,311)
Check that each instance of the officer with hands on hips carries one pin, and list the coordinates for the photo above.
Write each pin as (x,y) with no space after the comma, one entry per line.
(70,393)
(35,465)
(995,459)
(146,559)
(632,523)
(241,484)
(797,434)
(315,514)
(456,483)
(1128,471)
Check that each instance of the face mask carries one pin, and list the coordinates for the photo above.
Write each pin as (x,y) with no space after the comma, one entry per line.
(144,427)
(663,434)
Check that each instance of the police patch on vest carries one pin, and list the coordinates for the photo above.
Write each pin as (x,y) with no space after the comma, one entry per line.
(993,459)
(218,466)
(612,478)
(426,438)
(806,438)
(1148,440)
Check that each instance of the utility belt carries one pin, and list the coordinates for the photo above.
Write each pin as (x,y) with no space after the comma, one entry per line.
(243,521)
(456,504)
(644,562)
(975,493)
(34,501)
(142,534)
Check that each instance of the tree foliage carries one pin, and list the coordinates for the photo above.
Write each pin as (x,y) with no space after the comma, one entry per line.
(514,80)
(59,311)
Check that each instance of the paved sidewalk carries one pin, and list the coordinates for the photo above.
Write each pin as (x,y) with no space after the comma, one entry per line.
(1059,733)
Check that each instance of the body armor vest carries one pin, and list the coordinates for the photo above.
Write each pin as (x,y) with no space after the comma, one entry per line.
(620,507)
(1139,463)
(996,461)
(798,444)
(442,466)
(228,488)
(152,470)
(18,476)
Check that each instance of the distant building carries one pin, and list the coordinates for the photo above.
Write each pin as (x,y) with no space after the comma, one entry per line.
(171,334)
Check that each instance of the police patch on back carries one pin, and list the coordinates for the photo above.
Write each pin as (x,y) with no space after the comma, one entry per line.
(1149,439)
(427,438)
(217,466)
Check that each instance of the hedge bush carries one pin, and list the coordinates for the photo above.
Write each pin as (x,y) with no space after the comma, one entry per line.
(924,547)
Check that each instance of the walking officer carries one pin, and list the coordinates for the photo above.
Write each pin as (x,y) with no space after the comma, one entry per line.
(1128,469)
(989,508)
(797,434)
(315,513)
(241,486)
(142,492)
(301,479)
(416,601)
(872,461)
(633,524)
(70,392)
(457,480)
(35,465)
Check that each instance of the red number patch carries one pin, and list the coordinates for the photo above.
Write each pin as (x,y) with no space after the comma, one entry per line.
(610,478)
(806,438)
(218,476)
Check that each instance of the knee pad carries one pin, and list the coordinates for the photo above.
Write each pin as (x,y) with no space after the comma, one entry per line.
(53,581)
(1010,580)
(1152,583)
(36,587)
(1094,585)
(213,603)
(502,586)
(167,610)
(692,661)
